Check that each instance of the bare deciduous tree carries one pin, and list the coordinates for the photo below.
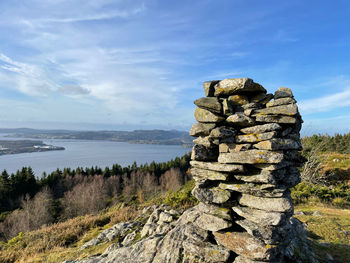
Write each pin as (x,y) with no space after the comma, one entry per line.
(89,196)
(35,212)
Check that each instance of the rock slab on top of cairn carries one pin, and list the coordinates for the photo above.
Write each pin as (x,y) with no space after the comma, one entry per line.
(244,161)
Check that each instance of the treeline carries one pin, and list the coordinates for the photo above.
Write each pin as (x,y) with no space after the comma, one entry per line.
(27,202)
(339,143)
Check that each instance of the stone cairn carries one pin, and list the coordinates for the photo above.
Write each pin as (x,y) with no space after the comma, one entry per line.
(244,161)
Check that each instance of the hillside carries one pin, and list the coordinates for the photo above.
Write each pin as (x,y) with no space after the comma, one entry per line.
(81,238)
(25,146)
(170,137)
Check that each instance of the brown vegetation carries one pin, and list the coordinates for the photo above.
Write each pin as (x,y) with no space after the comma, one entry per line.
(80,195)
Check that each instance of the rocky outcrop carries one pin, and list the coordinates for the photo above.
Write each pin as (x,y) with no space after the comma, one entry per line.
(159,234)
(243,162)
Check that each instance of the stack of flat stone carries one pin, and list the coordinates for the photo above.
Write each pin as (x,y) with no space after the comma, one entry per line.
(244,161)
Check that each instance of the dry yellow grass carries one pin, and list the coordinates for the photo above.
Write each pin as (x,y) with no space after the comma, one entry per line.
(60,241)
(330,232)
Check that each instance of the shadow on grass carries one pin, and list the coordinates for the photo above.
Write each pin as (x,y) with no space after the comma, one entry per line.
(329,252)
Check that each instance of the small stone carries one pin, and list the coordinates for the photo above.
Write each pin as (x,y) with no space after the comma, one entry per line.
(289,110)
(165,217)
(209,87)
(268,204)
(255,137)
(215,166)
(281,101)
(248,112)
(222,132)
(201,129)
(251,105)
(261,217)
(203,115)
(223,148)
(283,93)
(238,100)
(202,153)
(245,245)
(279,144)
(227,108)
(208,174)
(239,119)
(228,87)
(262,128)
(205,141)
(317,213)
(212,223)
(211,195)
(214,210)
(251,157)
(233,147)
(276,119)
(209,103)
(299,213)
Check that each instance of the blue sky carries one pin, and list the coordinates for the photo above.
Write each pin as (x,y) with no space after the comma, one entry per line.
(118,64)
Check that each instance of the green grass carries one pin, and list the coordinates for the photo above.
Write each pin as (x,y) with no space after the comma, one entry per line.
(332,228)
(336,161)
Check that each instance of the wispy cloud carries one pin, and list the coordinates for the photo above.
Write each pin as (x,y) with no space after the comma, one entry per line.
(142,61)
(326,103)
(73,90)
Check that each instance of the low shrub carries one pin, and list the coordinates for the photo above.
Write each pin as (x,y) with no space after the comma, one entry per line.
(338,195)
(182,197)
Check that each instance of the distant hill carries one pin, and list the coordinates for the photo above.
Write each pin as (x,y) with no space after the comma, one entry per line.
(169,137)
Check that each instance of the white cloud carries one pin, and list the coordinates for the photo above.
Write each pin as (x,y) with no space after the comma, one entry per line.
(326,103)
(132,66)
(73,90)
(27,78)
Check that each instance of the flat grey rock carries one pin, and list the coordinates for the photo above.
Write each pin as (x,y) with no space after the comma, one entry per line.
(255,137)
(209,103)
(215,166)
(281,101)
(283,204)
(279,144)
(275,119)
(229,87)
(212,223)
(261,217)
(240,120)
(201,129)
(288,110)
(262,128)
(251,157)
(283,93)
(203,115)
(211,195)
(203,174)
